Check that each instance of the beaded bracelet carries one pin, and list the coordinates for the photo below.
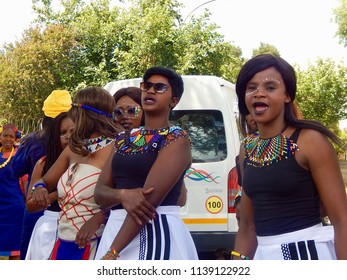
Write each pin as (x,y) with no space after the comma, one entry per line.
(38,185)
(111,254)
(237,254)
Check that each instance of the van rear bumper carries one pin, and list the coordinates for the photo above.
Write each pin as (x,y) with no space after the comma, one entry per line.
(211,241)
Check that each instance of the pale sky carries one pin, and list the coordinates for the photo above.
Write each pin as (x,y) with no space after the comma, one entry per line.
(302,30)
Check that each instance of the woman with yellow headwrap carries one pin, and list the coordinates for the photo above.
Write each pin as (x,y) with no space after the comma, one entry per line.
(32,148)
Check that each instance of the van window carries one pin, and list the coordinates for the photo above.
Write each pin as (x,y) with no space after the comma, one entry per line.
(206,131)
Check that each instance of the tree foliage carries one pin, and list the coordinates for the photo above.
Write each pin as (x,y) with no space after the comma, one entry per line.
(341,20)
(82,44)
(33,67)
(265,48)
(322,92)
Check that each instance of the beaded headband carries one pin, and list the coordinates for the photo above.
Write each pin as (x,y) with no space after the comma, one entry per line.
(86,107)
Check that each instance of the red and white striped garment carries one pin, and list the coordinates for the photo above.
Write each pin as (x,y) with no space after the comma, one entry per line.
(76,200)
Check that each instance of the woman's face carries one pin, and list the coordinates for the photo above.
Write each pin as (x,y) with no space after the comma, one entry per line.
(128,113)
(66,128)
(266,95)
(157,94)
(7,139)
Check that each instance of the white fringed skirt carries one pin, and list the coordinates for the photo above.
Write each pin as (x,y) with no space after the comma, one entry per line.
(43,236)
(165,238)
(313,243)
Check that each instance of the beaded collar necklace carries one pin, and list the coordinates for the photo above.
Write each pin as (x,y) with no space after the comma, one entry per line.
(95,144)
(8,159)
(162,130)
(263,152)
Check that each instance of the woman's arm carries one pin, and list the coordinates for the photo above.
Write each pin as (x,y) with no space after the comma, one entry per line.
(171,162)
(182,200)
(105,194)
(40,195)
(326,173)
(89,228)
(133,201)
(36,175)
(246,241)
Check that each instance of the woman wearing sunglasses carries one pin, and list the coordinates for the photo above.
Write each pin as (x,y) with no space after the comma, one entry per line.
(151,161)
(128,112)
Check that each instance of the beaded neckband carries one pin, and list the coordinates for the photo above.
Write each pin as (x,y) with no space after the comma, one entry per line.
(86,107)
(263,152)
(95,144)
(8,159)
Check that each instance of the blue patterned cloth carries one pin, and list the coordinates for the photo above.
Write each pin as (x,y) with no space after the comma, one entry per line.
(11,210)
(31,149)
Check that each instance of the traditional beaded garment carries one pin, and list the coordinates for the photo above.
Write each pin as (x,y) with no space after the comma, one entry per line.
(142,140)
(95,144)
(263,152)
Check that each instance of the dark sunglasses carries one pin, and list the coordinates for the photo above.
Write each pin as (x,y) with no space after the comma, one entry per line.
(158,87)
(132,112)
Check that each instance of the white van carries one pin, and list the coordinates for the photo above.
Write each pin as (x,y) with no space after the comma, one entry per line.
(208,112)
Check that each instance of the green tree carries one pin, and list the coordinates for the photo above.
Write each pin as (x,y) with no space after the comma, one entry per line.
(83,44)
(32,68)
(120,43)
(266,48)
(322,92)
(204,51)
(341,20)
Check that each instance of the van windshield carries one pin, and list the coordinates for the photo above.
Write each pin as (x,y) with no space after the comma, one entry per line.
(206,131)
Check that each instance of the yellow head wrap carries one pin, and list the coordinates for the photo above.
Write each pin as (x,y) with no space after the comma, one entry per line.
(57,102)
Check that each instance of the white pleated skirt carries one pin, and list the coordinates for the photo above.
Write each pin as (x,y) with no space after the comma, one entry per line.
(165,238)
(313,243)
(43,236)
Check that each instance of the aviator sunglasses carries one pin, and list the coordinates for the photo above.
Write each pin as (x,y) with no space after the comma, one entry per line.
(131,112)
(158,87)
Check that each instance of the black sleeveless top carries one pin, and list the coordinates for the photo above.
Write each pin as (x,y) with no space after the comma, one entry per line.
(136,152)
(283,193)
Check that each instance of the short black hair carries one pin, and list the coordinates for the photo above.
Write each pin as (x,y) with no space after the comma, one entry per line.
(175,80)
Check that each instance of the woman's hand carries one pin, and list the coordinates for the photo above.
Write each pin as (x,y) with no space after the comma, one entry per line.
(134,202)
(85,234)
(40,197)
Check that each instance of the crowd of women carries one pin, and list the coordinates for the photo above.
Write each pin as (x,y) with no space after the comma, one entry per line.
(105,175)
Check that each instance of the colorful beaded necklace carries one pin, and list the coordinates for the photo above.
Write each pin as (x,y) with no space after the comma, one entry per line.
(95,144)
(8,159)
(263,152)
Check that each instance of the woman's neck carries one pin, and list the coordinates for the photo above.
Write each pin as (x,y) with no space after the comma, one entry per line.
(269,131)
(155,122)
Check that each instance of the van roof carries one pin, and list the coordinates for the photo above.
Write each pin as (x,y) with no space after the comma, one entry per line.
(207,92)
